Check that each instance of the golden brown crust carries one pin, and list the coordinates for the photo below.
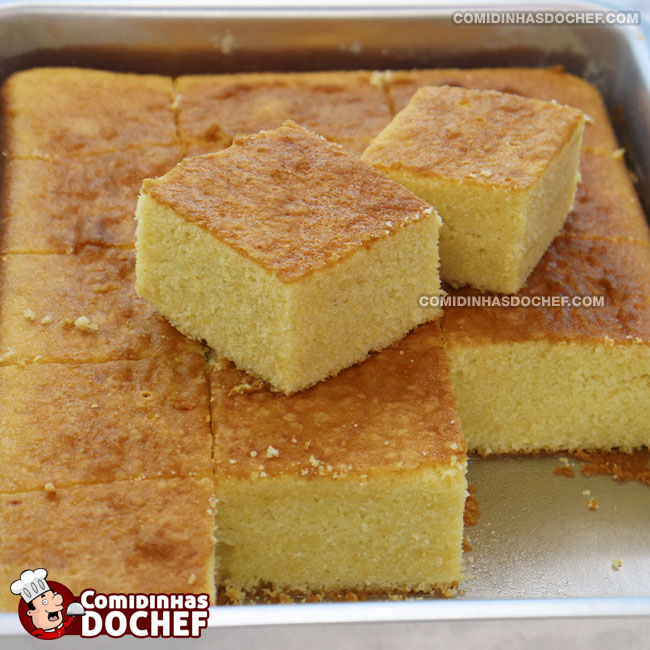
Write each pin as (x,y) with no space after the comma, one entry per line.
(62,204)
(268,593)
(344,107)
(395,411)
(253,194)
(67,424)
(151,536)
(538,83)
(616,270)
(479,137)
(63,110)
(79,308)
(606,204)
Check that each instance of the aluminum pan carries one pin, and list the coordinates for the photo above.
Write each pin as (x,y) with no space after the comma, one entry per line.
(538,551)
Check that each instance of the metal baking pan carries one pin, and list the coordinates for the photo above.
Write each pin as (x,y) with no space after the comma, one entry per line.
(538,550)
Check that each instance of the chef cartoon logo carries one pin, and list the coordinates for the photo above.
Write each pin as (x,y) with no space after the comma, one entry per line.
(46,609)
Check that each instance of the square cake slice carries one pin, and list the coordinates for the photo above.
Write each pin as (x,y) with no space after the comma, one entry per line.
(150,536)
(500,169)
(287,255)
(564,376)
(548,84)
(66,424)
(54,111)
(354,485)
(62,204)
(79,309)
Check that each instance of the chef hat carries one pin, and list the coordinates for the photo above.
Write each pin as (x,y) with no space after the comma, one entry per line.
(31,584)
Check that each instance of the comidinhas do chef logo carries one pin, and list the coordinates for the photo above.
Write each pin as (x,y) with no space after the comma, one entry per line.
(49,610)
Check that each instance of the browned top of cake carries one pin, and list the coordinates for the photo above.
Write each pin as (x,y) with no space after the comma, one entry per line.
(549,84)
(475,136)
(66,424)
(62,204)
(395,411)
(79,308)
(151,536)
(342,106)
(573,266)
(62,110)
(606,204)
(287,199)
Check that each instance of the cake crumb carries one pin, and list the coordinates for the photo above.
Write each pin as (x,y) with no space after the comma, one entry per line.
(618,154)
(191,579)
(294,439)
(472,509)
(314,462)
(83,323)
(49,487)
(616,565)
(247,386)
(586,492)
(592,504)
(467,545)
(94,405)
(29,314)
(253,454)
(45,320)
(272,452)
(233,461)
(563,470)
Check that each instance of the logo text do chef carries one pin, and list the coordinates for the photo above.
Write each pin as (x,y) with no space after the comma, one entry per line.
(144,615)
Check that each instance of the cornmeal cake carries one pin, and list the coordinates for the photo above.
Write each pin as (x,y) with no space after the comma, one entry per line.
(548,84)
(78,308)
(150,536)
(61,204)
(571,376)
(56,111)
(500,169)
(286,254)
(346,107)
(356,484)
(66,424)
(606,204)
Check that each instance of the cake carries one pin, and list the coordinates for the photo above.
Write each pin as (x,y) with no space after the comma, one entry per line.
(57,111)
(142,516)
(61,204)
(552,378)
(548,84)
(150,536)
(78,308)
(500,169)
(73,424)
(354,485)
(606,204)
(346,107)
(287,255)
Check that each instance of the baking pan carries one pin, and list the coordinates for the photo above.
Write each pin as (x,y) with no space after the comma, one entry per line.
(538,550)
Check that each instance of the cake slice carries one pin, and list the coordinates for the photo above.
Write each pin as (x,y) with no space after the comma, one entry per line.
(66,424)
(78,309)
(287,255)
(354,485)
(62,204)
(54,111)
(548,84)
(345,107)
(151,536)
(500,169)
(557,377)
